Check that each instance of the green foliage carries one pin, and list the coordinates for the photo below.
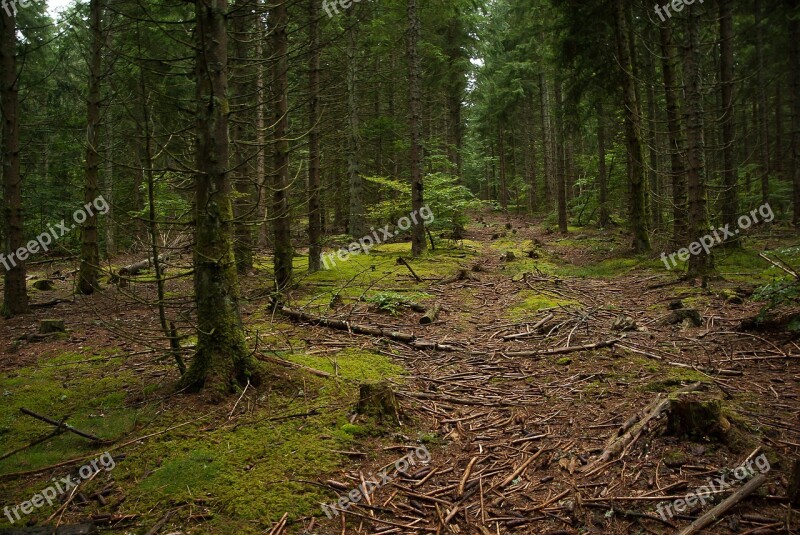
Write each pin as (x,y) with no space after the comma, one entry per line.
(388,302)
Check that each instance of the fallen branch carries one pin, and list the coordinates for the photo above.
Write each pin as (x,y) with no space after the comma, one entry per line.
(60,425)
(563,350)
(719,511)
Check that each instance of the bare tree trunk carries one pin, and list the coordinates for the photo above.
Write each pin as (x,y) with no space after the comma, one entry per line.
(418,243)
(222,359)
(244,207)
(261,142)
(730,179)
(90,253)
(678,170)
(561,142)
(547,140)
(356,220)
(761,89)
(314,170)
(699,264)
(794,90)
(281,212)
(15,293)
(604,218)
(637,211)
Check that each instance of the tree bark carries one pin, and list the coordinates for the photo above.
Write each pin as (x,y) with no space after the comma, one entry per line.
(314,170)
(637,211)
(761,90)
(730,179)
(699,264)
(90,253)
(562,139)
(15,293)
(222,359)
(356,225)
(418,243)
(677,168)
(604,218)
(244,206)
(794,90)
(281,213)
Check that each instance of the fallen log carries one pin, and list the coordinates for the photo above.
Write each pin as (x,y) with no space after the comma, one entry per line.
(430,315)
(369,330)
(719,511)
(136,268)
(563,350)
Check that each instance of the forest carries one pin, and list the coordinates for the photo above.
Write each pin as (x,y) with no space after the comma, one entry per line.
(400,267)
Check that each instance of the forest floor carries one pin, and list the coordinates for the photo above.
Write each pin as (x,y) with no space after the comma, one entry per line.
(510,429)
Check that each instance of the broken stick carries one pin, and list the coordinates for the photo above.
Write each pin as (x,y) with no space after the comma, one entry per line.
(719,511)
(60,425)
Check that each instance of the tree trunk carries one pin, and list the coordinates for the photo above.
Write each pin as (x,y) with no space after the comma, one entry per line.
(314,170)
(90,254)
(730,197)
(356,221)
(637,211)
(281,213)
(547,140)
(699,264)
(794,90)
(15,293)
(261,141)
(222,359)
(677,168)
(418,243)
(243,206)
(503,173)
(652,142)
(604,218)
(761,90)
(561,141)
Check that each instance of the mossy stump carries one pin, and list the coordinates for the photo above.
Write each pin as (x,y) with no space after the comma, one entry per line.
(697,419)
(377,400)
(51,326)
(44,285)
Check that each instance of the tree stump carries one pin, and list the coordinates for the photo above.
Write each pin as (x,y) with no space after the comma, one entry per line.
(377,400)
(683,314)
(693,418)
(51,326)
(44,285)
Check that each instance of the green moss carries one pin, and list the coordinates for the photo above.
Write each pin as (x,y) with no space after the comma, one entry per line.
(532,302)
(353,364)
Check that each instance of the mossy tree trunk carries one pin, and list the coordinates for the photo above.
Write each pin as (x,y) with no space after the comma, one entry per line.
(222,359)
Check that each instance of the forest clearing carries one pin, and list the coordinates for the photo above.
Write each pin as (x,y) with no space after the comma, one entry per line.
(400,267)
